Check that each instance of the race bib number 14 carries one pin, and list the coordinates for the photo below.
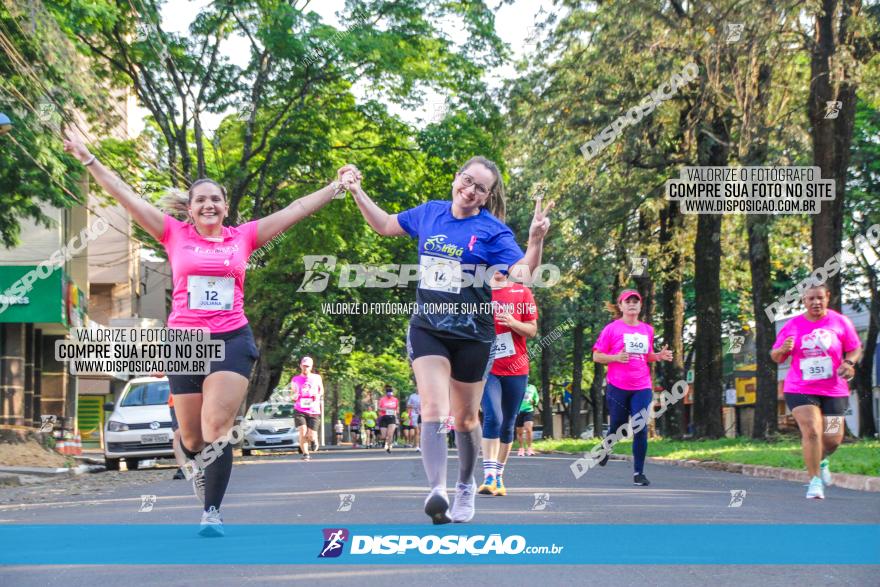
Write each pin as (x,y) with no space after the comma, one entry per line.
(438,274)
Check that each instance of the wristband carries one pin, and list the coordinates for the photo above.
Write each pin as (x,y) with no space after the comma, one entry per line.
(90,161)
(337,187)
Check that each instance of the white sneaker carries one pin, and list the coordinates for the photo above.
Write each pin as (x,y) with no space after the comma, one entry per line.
(437,506)
(815,490)
(463,507)
(212,523)
(198,480)
(825,472)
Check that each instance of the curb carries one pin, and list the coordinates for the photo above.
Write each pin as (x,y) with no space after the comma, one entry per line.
(9,480)
(51,471)
(844,480)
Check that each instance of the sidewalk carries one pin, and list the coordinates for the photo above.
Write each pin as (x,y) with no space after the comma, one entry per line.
(844,480)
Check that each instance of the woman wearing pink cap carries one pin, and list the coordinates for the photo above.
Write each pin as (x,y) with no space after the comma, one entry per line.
(824,348)
(626,345)
(307,390)
(208,263)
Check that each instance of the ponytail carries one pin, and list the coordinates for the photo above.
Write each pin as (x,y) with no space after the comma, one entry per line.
(614,310)
(175,203)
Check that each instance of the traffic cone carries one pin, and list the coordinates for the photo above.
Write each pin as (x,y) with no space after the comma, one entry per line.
(77,444)
(61,446)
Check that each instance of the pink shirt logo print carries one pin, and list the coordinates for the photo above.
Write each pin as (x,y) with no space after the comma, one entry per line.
(819,339)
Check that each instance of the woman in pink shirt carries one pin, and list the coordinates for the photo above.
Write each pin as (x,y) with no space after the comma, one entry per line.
(824,348)
(388,407)
(627,346)
(307,390)
(208,262)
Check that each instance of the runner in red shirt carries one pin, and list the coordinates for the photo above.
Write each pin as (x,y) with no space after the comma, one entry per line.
(515,320)
(388,407)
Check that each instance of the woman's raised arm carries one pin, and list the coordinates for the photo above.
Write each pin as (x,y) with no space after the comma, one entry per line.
(381,221)
(143,212)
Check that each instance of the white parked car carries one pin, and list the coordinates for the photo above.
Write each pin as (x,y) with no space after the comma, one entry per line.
(269,426)
(139,427)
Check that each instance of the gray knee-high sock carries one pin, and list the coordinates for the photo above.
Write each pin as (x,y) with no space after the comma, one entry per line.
(434,454)
(468,444)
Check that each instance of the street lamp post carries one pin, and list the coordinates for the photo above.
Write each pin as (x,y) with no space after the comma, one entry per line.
(5,124)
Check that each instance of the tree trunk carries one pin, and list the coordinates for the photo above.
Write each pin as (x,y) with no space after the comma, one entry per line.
(831,80)
(596,398)
(865,367)
(334,400)
(644,283)
(358,399)
(713,151)
(765,332)
(546,363)
(577,373)
(267,373)
(758,228)
(671,221)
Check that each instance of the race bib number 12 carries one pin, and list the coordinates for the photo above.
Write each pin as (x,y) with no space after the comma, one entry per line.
(210,293)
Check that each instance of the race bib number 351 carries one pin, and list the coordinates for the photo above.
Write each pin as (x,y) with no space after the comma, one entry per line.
(814,368)
(210,293)
(438,274)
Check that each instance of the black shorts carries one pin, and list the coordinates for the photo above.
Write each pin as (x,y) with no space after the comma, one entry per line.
(309,420)
(174,424)
(524,417)
(471,360)
(829,406)
(386,421)
(241,354)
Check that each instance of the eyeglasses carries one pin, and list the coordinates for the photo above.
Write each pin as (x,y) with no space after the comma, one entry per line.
(468,181)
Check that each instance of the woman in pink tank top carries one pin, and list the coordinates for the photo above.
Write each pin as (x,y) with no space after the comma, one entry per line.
(208,262)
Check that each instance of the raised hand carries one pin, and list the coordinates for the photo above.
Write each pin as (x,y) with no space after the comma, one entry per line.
(665,354)
(505,319)
(74,145)
(350,177)
(540,221)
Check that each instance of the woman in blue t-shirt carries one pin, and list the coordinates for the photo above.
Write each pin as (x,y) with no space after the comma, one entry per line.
(461,245)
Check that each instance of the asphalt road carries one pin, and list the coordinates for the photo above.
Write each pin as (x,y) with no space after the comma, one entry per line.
(389,489)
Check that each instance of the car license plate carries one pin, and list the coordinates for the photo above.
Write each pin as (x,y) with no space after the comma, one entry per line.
(273,441)
(154,438)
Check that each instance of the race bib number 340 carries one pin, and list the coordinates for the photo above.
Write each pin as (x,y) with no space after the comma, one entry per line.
(438,274)
(210,293)
(635,343)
